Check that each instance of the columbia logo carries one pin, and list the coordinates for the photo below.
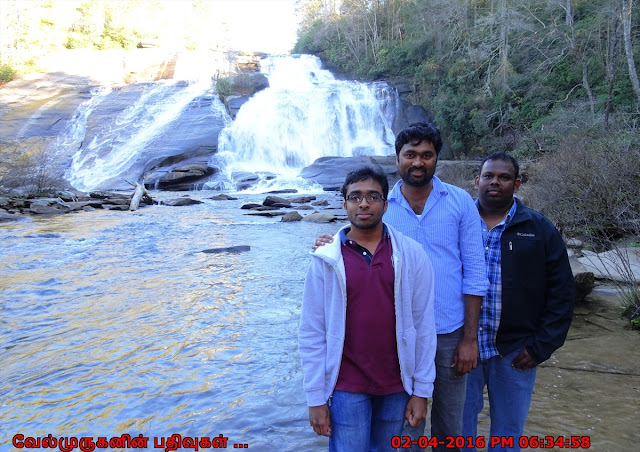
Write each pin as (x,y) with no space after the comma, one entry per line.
(523,234)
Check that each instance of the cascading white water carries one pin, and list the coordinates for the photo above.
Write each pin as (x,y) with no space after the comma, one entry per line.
(125,135)
(303,115)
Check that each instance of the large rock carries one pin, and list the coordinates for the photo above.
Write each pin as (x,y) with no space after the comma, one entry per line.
(319,217)
(622,264)
(330,172)
(179,178)
(585,283)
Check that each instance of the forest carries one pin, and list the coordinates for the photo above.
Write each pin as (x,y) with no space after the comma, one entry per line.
(507,73)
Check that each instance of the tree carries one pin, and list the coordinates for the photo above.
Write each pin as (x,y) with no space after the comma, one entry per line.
(627,6)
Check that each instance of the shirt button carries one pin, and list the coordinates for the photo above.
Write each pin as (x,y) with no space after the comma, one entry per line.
(480,329)
(486,247)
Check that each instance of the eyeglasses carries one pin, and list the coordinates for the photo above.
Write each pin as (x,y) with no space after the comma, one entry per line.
(370,197)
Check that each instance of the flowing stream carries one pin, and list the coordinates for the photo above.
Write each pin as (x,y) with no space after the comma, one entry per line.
(117,323)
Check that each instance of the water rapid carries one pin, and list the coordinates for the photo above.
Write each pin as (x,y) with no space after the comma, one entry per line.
(305,114)
(120,134)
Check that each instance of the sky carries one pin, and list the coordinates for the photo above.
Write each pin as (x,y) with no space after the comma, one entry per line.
(254,25)
(265,25)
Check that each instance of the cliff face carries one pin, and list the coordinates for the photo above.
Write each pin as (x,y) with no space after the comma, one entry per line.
(40,108)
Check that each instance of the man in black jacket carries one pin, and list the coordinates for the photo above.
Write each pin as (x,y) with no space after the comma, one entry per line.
(527,311)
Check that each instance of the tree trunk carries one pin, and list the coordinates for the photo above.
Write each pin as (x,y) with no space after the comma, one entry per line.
(627,6)
(139,192)
(611,68)
(504,45)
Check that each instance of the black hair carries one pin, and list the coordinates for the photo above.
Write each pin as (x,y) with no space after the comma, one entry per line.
(501,155)
(418,132)
(365,173)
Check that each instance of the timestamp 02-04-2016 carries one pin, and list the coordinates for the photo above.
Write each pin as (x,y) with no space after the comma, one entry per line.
(457,442)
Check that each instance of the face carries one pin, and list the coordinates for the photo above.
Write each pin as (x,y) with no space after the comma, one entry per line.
(496,184)
(417,163)
(365,215)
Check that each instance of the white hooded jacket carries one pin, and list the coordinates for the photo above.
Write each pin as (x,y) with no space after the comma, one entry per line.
(322,323)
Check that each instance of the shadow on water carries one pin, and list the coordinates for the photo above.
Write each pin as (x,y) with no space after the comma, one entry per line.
(117,322)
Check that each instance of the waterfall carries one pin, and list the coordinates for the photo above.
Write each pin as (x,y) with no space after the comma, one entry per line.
(303,115)
(138,124)
(123,133)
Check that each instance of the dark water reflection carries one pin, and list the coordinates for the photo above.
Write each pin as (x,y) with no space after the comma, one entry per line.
(116,322)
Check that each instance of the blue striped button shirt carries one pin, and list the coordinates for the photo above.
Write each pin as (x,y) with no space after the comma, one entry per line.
(450,231)
(492,303)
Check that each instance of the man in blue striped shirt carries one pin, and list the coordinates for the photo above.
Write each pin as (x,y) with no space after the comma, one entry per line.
(445,221)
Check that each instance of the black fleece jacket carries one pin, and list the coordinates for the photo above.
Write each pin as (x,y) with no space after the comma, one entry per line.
(537,286)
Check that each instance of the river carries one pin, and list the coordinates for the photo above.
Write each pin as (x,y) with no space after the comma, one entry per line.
(117,322)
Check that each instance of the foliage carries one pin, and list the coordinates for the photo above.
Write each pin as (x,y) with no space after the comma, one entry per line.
(491,74)
(589,185)
(31,172)
(6,74)
(241,84)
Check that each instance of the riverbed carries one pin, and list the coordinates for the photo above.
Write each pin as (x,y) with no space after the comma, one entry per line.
(118,323)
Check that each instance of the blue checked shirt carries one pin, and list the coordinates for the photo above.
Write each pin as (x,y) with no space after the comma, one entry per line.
(449,230)
(492,303)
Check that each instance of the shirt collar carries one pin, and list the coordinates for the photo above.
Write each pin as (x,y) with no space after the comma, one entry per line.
(344,238)
(509,216)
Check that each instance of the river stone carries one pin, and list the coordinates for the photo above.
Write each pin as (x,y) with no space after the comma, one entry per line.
(244,179)
(291,216)
(228,249)
(301,199)
(271,200)
(270,213)
(282,191)
(622,264)
(81,205)
(319,217)
(107,195)
(48,206)
(322,203)
(585,283)
(6,216)
(574,243)
(250,205)
(223,197)
(179,178)
(181,202)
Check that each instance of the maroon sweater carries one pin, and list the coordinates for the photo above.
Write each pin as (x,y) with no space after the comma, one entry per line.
(370,356)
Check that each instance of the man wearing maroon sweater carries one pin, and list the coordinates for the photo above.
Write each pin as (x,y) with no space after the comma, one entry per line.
(367,337)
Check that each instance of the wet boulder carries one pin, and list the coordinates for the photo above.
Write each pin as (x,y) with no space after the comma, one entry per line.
(330,172)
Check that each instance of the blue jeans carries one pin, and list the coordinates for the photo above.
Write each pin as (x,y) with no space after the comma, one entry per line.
(448,395)
(510,392)
(364,422)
